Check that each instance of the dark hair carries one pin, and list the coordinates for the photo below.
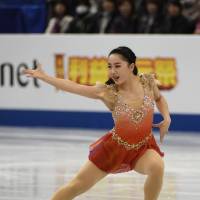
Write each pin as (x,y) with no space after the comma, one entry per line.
(157,2)
(176,3)
(128,55)
(84,2)
(121,2)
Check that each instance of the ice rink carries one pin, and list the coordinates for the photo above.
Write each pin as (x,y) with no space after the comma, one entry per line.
(35,162)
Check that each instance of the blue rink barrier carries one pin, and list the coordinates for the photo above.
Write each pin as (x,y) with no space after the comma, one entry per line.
(23,16)
(91,120)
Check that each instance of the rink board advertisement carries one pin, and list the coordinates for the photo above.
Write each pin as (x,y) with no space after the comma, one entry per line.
(29,102)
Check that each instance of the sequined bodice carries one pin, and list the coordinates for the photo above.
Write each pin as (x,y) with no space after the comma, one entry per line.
(135,115)
(129,114)
(133,124)
(134,119)
(129,118)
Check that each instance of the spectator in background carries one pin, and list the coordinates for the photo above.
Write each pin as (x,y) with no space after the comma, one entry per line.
(60,20)
(140,6)
(101,22)
(94,6)
(125,22)
(197,28)
(74,3)
(175,21)
(151,21)
(82,17)
(191,9)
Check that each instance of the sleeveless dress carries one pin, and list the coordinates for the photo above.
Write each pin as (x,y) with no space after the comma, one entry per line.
(119,149)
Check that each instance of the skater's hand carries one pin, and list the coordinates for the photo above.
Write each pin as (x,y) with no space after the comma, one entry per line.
(35,73)
(164,127)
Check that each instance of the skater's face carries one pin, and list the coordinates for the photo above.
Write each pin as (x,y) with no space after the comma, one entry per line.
(119,70)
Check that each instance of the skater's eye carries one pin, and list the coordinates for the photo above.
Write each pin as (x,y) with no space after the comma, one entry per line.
(117,66)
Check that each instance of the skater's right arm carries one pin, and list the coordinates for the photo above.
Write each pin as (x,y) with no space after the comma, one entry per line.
(65,84)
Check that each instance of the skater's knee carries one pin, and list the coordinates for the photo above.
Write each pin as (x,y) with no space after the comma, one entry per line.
(157,168)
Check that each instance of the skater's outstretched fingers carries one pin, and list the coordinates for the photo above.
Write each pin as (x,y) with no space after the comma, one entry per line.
(35,73)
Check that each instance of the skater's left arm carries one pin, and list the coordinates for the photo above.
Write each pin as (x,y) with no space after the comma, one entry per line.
(162,106)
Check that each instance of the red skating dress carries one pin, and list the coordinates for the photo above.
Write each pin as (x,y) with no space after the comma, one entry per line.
(119,149)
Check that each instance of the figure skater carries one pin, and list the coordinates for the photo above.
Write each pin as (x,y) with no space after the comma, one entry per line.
(130,145)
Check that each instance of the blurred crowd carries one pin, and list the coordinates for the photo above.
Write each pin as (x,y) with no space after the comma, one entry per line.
(124,16)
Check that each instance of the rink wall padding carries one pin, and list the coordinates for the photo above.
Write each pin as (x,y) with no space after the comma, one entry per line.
(86,120)
(174,59)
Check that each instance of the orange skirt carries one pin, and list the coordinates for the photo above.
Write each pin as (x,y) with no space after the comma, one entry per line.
(111,157)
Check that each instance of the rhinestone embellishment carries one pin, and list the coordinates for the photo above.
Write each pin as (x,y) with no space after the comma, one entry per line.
(128,146)
(135,115)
